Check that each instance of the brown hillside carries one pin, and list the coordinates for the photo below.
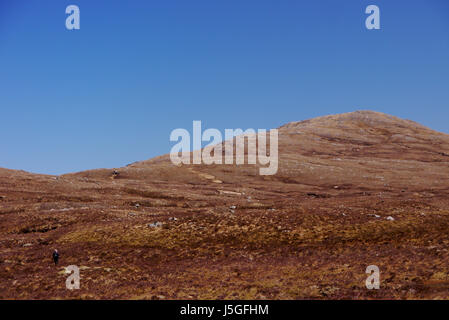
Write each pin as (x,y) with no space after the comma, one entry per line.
(352,190)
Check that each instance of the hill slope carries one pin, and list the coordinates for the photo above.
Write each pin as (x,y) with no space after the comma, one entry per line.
(352,190)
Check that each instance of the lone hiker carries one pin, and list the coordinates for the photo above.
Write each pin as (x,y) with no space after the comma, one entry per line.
(56,256)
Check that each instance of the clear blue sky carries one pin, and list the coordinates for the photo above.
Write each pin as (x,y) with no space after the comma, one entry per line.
(110,93)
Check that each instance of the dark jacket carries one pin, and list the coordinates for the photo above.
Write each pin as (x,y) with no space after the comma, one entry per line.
(55,256)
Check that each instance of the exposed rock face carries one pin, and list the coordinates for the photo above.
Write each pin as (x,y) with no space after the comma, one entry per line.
(351,190)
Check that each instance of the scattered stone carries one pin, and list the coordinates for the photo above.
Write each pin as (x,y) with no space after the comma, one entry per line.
(412,291)
(131,213)
(390,218)
(27,245)
(173,219)
(232,207)
(156,224)
(137,205)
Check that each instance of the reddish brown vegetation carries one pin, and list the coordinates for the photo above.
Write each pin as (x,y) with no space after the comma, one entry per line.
(307,232)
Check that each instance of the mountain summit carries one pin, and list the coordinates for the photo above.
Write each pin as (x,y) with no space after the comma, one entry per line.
(362,150)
